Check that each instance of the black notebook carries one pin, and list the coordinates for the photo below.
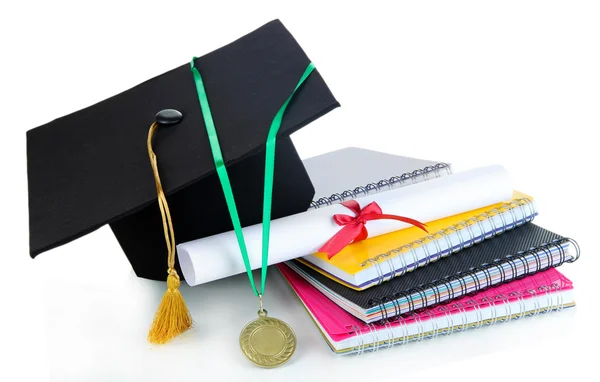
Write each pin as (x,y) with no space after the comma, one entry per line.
(515,254)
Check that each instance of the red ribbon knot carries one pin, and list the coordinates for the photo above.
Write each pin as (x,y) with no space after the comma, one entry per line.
(354,227)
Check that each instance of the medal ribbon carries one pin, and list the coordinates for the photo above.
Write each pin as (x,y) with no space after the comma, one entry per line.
(224,177)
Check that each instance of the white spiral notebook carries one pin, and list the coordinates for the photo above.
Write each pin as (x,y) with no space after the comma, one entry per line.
(353,172)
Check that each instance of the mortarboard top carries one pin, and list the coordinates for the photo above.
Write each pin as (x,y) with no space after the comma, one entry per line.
(91,168)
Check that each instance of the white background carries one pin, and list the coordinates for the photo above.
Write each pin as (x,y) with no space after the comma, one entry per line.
(468,82)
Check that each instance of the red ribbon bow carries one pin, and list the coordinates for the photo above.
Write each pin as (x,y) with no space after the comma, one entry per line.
(354,229)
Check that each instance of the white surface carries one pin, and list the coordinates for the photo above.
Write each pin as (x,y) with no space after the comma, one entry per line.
(218,256)
(468,82)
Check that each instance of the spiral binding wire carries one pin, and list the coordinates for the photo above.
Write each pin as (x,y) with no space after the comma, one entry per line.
(435,171)
(381,335)
(422,300)
(387,270)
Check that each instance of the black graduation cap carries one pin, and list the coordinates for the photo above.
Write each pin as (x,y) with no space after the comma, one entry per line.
(91,168)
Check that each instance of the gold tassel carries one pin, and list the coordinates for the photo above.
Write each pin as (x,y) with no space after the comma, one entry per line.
(172,316)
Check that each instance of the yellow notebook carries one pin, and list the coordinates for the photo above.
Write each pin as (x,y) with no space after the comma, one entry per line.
(368,262)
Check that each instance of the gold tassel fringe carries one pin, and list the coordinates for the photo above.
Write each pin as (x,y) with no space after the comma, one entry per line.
(172,316)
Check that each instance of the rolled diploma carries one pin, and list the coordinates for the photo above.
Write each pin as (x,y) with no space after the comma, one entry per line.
(219,256)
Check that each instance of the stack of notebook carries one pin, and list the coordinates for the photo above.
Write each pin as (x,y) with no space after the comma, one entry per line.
(471,269)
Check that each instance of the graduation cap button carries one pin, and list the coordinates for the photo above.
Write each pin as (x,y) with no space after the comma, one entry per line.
(169,117)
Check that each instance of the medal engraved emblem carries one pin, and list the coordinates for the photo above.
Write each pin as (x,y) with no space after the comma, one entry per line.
(267,342)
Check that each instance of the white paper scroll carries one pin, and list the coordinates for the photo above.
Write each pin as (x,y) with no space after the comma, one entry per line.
(218,256)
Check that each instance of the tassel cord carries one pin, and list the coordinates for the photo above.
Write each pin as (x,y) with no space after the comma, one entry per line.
(172,316)
(162,203)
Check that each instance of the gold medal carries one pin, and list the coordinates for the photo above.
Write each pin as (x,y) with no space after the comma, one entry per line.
(267,342)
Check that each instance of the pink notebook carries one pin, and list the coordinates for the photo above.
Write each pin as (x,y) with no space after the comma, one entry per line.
(540,293)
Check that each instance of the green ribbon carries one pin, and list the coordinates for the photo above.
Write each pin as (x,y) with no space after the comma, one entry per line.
(224,177)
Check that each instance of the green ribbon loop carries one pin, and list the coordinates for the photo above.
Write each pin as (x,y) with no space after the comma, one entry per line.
(224,177)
